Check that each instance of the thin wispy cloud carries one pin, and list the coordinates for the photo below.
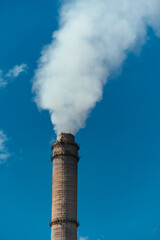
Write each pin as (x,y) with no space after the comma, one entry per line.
(2,81)
(16,71)
(12,74)
(83,238)
(4,153)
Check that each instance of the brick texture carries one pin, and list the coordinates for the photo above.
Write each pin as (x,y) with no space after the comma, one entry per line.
(64,188)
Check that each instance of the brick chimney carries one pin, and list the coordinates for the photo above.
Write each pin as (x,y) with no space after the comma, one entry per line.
(64,188)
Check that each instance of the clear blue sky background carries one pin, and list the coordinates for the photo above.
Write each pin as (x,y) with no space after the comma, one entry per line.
(119,170)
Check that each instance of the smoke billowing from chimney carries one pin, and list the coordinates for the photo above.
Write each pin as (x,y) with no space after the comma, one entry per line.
(93,40)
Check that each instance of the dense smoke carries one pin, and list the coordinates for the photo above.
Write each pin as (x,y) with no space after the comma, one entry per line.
(93,40)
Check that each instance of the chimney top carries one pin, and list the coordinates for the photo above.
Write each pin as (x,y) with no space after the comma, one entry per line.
(66,137)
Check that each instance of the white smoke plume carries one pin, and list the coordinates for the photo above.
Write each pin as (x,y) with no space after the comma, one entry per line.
(93,40)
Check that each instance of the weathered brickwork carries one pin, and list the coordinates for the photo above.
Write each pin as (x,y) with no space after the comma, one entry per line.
(64,188)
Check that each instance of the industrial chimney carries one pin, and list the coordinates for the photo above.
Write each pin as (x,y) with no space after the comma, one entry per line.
(64,188)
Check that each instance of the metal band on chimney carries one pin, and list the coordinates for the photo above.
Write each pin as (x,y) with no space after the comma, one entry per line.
(65,155)
(65,143)
(62,220)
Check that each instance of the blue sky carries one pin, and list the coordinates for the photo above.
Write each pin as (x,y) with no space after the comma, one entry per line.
(119,180)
